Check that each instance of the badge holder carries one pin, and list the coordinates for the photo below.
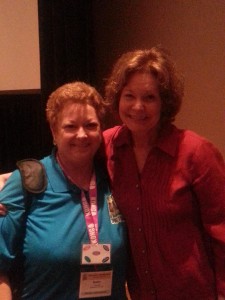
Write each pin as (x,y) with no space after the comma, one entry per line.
(96,271)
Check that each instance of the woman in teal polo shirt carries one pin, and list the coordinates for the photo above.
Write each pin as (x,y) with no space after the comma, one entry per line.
(74,244)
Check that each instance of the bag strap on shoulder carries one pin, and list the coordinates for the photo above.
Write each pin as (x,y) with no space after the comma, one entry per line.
(33,175)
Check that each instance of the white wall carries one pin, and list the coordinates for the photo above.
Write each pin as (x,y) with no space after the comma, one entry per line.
(193,31)
(19,45)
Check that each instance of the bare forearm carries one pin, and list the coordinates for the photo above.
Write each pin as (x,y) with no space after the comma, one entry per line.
(5,290)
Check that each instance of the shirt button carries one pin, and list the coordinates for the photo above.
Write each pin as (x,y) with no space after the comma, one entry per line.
(146,271)
(138,208)
(139,229)
(137,186)
(143,251)
(152,292)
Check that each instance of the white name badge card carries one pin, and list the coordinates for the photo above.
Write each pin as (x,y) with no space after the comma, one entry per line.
(95,284)
(96,254)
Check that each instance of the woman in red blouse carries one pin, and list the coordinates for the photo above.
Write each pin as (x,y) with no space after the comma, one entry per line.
(168,183)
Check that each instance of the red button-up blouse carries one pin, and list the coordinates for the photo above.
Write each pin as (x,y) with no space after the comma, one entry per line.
(175,212)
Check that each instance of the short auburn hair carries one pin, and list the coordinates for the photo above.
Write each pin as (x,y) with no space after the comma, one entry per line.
(75,92)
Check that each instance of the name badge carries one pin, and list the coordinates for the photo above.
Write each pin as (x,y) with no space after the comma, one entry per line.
(95,284)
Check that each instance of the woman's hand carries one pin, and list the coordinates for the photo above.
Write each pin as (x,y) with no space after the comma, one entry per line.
(5,290)
(3,209)
(3,178)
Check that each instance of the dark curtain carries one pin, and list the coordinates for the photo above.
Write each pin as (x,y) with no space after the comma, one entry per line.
(65,42)
(20,122)
(66,48)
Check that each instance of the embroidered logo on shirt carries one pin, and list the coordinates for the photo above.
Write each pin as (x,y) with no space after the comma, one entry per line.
(114,213)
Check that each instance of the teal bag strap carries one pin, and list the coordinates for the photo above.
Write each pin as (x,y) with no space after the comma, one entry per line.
(33,175)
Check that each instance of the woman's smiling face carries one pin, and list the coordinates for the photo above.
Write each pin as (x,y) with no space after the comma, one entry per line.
(78,133)
(140,104)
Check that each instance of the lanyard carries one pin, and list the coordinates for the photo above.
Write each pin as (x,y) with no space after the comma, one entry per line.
(91,211)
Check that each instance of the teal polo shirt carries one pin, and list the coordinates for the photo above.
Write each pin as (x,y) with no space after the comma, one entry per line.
(55,231)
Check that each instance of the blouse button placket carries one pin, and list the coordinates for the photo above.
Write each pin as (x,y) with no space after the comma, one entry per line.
(146,271)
